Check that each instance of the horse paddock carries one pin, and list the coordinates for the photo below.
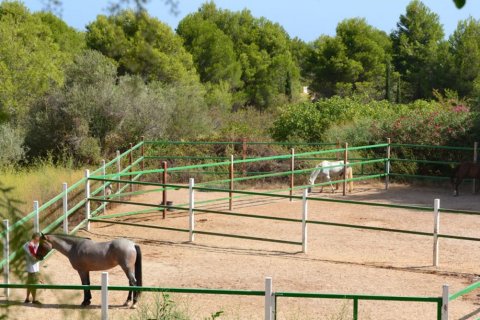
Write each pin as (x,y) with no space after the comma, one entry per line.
(339,260)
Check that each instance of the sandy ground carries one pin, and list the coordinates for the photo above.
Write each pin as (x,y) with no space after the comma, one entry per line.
(339,260)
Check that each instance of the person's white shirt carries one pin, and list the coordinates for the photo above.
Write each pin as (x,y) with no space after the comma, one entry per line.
(33,265)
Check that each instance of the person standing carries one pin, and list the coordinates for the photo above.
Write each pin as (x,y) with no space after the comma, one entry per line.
(32,266)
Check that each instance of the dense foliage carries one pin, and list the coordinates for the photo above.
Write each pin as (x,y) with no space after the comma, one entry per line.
(224,75)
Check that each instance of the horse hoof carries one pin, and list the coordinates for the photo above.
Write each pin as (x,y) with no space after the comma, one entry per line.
(126,303)
(86,303)
(134,306)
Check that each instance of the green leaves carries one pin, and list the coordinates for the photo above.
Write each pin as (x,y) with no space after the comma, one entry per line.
(357,54)
(417,44)
(251,54)
(141,45)
(31,60)
(459,3)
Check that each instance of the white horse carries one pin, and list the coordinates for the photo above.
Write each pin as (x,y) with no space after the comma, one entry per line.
(328,170)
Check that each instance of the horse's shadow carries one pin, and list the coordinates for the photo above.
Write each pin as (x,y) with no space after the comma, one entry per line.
(68,306)
(65,306)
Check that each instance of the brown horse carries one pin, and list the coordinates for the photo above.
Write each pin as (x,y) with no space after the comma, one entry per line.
(462,171)
(86,255)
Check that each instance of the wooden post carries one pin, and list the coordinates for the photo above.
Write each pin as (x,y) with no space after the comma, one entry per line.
(36,221)
(345,160)
(87,197)
(104,295)
(475,150)
(65,207)
(269,301)
(436,230)
(164,181)
(119,169)
(230,194)
(6,256)
(292,174)
(244,156)
(130,161)
(142,150)
(304,220)
(191,206)
(387,166)
(445,297)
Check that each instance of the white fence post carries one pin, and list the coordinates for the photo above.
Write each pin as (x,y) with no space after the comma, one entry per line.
(304,220)
(119,169)
(269,299)
(87,197)
(65,207)
(36,219)
(445,297)
(292,174)
(191,205)
(104,172)
(436,230)
(104,295)
(6,256)
(387,166)
(475,150)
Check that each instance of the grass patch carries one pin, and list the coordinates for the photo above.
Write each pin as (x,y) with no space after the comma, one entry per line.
(40,182)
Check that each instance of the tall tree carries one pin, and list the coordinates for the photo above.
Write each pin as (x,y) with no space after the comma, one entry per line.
(465,46)
(69,40)
(269,74)
(31,61)
(212,51)
(141,45)
(417,44)
(355,58)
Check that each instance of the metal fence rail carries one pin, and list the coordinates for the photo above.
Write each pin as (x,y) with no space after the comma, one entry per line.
(270,301)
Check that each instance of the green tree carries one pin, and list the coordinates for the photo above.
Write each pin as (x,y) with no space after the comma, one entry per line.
(141,45)
(212,51)
(354,60)
(465,47)
(30,61)
(269,74)
(98,111)
(417,45)
(69,40)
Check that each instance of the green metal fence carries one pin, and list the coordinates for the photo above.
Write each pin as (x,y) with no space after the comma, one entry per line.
(271,297)
(124,172)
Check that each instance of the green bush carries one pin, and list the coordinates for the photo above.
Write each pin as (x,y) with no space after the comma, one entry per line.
(11,145)
(426,123)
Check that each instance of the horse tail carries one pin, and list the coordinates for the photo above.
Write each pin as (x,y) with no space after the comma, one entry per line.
(138,266)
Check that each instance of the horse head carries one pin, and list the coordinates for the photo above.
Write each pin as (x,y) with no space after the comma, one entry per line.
(44,247)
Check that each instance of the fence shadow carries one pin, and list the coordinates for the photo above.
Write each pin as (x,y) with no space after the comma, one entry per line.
(470,315)
(409,195)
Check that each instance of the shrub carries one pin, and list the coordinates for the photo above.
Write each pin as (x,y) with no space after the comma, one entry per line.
(11,145)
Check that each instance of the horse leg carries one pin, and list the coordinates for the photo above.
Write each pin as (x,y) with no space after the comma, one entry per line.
(313,177)
(129,272)
(331,184)
(456,183)
(87,295)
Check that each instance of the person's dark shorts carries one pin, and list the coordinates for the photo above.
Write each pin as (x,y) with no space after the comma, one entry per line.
(33,278)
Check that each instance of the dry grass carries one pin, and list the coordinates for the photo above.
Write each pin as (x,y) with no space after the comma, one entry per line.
(40,182)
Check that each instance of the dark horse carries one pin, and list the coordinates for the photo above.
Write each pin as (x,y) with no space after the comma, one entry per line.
(462,171)
(86,255)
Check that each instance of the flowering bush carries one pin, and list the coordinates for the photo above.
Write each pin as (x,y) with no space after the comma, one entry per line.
(425,123)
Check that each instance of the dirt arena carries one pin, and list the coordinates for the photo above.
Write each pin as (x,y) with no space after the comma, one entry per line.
(339,260)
